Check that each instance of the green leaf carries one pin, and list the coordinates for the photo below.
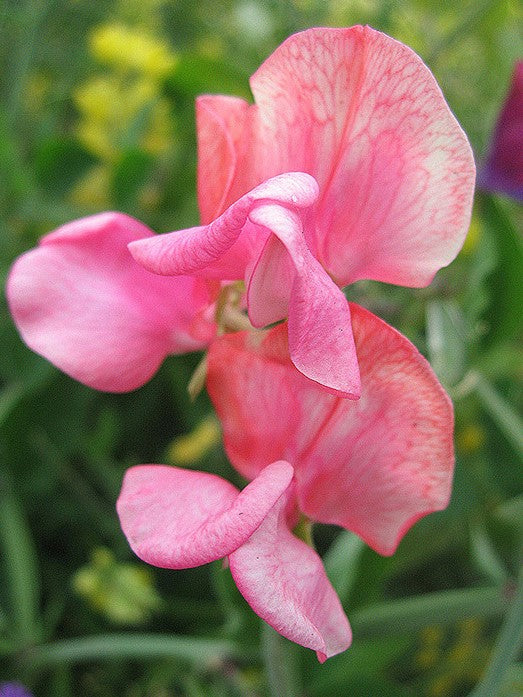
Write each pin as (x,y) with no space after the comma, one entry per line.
(342,563)
(447,340)
(500,410)
(110,647)
(506,288)
(196,74)
(402,617)
(506,649)
(485,555)
(20,565)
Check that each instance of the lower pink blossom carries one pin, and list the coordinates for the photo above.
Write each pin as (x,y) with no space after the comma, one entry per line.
(373,466)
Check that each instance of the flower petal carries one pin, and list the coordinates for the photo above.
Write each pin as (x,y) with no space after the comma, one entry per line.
(80,300)
(177,518)
(503,170)
(284,582)
(321,344)
(364,116)
(214,250)
(373,466)
(220,122)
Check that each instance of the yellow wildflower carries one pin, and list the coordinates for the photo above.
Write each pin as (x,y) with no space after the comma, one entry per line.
(189,448)
(132,50)
(122,592)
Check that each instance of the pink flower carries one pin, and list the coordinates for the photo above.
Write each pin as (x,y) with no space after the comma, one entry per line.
(80,300)
(374,466)
(348,166)
(503,170)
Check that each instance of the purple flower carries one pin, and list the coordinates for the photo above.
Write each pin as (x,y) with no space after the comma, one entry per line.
(13,689)
(503,169)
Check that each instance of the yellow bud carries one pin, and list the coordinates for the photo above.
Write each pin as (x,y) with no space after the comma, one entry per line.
(190,448)
(471,438)
(122,592)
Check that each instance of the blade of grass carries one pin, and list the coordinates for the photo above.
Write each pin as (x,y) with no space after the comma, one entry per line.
(400,617)
(501,412)
(133,646)
(20,564)
(506,648)
(342,562)
(280,665)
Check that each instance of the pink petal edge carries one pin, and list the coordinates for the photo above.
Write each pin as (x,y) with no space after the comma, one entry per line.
(284,582)
(178,519)
(80,300)
(373,466)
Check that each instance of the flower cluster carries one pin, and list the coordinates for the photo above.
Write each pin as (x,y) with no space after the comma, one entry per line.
(348,165)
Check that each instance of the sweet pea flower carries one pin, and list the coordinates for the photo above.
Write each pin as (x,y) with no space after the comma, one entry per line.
(373,466)
(503,169)
(349,165)
(81,300)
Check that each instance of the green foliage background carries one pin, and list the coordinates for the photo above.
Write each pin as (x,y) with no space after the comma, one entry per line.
(80,616)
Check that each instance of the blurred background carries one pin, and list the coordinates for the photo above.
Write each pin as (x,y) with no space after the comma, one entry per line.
(97,113)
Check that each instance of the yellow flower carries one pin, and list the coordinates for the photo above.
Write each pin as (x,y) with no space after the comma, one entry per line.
(132,50)
(189,448)
(122,592)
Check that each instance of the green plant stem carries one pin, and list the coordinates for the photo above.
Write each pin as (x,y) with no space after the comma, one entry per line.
(20,564)
(279,664)
(506,648)
(132,646)
(501,412)
(399,617)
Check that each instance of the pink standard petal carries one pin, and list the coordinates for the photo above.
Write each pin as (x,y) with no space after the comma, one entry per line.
(284,582)
(177,519)
(221,124)
(80,300)
(364,116)
(373,466)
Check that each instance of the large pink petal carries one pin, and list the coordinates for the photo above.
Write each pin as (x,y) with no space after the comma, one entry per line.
(80,300)
(284,582)
(216,250)
(373,466)
(177,519)
(361,113)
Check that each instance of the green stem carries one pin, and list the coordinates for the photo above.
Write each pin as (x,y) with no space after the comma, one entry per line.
(506,648)
(20,564)
(400,617)
(132,646)
(279,664)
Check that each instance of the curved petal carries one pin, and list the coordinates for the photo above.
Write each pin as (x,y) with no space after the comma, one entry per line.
(221,123)
(361,113)
(284,582)
(177,518)
(373,466)
(321,344)
(80,300)
(216,249)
